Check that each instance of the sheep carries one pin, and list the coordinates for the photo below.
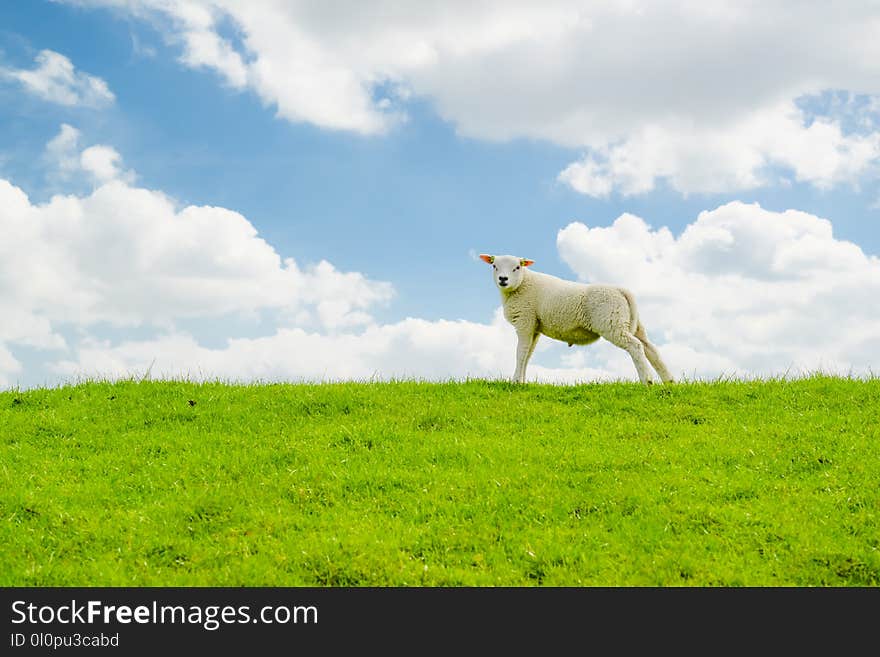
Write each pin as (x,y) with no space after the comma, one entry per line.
(576,313)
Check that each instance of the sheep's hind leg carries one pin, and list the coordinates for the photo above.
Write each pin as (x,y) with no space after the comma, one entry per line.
(654,356)
(634,347)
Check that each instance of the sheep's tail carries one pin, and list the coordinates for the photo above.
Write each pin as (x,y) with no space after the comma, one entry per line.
(633,310)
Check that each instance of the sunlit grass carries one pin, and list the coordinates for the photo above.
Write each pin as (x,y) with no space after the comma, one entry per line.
(758,483)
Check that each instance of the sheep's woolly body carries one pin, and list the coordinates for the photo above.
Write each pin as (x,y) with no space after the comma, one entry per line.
(577,314)
(572,312)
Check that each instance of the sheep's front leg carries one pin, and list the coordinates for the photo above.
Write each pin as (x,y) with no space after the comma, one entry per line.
(525,345)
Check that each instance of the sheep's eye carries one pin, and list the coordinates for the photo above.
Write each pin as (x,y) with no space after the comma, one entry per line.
(494,267)
(517,267)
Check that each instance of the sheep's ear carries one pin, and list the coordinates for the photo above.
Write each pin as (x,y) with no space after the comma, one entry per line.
(525,263)
(485,257)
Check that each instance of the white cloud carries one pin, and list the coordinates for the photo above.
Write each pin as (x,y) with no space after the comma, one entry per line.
(697,93)
(408,349)
(205,48)
(742,289)
(56,80)
(102,163)
(733,158)
(62,153)
(99,163)
(9,366)
(129,256)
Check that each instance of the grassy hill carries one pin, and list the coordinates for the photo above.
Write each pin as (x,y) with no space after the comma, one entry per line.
(476,483)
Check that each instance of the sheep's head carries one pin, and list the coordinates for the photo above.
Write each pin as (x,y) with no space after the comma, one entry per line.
(507,270)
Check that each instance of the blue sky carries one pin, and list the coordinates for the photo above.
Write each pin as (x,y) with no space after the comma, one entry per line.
(520,127)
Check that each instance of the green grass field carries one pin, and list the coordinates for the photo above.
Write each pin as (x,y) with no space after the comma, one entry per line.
(442,484)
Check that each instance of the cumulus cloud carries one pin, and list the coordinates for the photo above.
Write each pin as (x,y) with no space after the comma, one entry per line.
(699,94)
(204,48)
(742,290)
(98,163)
(56,80)
(9,366)
(128,256)
(103,163)
(408,349)
(736,157)
(62,153)
(131,257)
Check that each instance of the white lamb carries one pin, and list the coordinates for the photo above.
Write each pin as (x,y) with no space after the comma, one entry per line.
(575,313)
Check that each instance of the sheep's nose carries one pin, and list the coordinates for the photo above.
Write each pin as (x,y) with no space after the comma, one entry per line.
(502,279)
